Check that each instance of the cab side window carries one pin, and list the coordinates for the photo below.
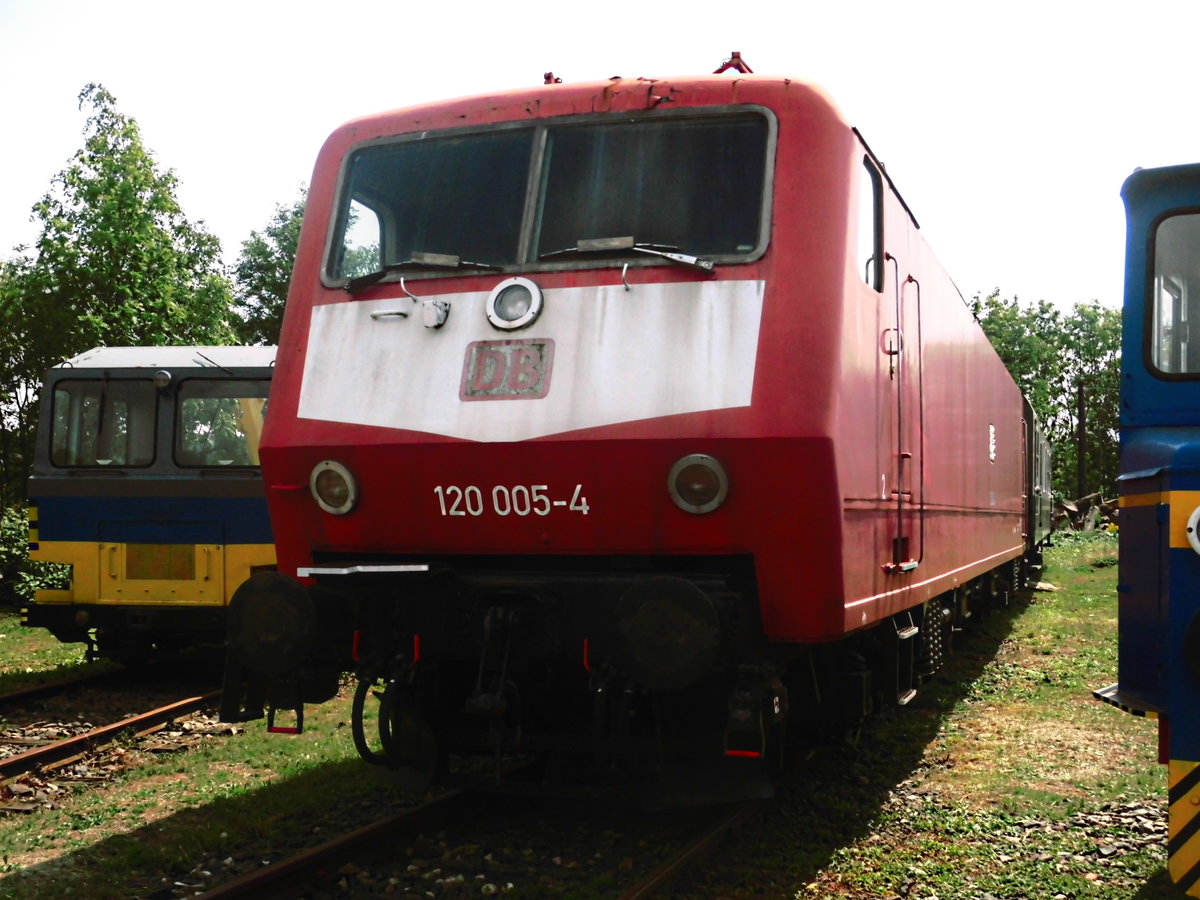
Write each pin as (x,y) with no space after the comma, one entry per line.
(1175,301)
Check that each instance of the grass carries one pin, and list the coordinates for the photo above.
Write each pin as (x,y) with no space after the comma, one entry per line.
(30,656)
(1003,779)
(1023,775)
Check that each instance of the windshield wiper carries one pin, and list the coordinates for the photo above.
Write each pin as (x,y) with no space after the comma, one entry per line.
(611,244)
(418,260)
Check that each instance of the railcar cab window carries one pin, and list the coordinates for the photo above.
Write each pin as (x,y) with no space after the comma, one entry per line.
(102,423)
(220,422)
(1175,300)
(522,197)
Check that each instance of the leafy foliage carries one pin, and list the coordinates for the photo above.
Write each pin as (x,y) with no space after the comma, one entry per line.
(20,377)
(19,575)
(116,263)
(1068,366)
(263,272)
(117,260)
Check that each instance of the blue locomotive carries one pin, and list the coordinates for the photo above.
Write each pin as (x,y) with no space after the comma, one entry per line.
(1159,584)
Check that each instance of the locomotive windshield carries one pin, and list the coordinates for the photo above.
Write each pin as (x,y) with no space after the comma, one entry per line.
(220,422)
(519,196)
(1176,297)
(102,422)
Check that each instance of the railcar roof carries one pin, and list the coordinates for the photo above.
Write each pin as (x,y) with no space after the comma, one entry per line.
(171,358)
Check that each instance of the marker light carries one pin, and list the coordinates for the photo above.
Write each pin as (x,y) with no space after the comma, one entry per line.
(697,483)
(333,487)
(1193,529)
(514,303)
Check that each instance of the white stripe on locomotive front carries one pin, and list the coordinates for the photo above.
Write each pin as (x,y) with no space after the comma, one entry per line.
(620,356)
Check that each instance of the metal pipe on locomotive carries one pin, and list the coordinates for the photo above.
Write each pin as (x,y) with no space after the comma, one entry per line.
(1158,591)
(632,418)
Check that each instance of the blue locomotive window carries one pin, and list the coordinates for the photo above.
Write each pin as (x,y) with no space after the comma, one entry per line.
(219,423)
(1175,302)
(102,422)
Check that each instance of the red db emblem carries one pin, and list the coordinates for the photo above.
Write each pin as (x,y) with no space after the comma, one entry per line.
(507,370)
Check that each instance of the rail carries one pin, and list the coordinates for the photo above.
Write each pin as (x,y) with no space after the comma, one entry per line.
(68,750)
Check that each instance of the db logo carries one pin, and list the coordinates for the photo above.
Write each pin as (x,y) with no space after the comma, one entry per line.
(507,370)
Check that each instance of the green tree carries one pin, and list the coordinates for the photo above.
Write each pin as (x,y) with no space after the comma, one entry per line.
(1091,380)
(263,272)
(116,263)
(20,377)
(1024,336)
(1068,366)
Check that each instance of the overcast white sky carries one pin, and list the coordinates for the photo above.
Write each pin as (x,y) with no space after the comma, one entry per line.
(1008,127)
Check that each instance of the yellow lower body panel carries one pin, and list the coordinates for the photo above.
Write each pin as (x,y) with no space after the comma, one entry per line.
(153,574)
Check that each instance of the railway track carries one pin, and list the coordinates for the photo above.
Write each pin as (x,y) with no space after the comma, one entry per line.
(315,872)
(309,867)
(59,753)
(690,856)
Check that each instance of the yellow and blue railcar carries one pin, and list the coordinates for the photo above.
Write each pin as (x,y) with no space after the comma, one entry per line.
(146,483)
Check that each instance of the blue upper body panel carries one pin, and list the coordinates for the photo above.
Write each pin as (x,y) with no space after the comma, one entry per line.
(1149,398)
(155,520)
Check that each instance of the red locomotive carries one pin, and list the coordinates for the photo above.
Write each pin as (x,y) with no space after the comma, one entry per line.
(633,417)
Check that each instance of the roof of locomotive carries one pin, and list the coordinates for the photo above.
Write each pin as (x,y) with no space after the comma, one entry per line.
(616,94)
(172,358)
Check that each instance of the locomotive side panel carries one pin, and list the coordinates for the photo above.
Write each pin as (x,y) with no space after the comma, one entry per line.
(931,445)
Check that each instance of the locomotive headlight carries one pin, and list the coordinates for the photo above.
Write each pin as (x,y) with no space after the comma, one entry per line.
(333,487)
(1193,529)
(514,303)
(697,483)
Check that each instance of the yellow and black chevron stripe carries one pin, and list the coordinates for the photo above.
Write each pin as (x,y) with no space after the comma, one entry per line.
(33,527)
(1112,695)
(1183,835)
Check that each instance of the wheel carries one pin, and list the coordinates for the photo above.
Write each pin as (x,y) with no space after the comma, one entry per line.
(409,744)
(376,755)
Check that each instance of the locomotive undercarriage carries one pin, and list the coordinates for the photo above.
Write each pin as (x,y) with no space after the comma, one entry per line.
(607,676)
(127,633)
